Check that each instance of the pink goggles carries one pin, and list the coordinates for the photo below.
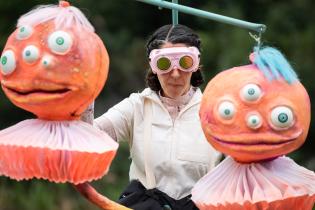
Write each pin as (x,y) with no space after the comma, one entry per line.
(164,60)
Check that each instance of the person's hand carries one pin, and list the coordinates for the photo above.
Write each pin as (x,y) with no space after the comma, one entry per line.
(88,114)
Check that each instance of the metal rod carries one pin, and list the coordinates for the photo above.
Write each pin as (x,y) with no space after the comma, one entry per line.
(260,28)
(175,13)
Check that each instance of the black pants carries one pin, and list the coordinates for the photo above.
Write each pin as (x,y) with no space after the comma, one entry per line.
(137,197)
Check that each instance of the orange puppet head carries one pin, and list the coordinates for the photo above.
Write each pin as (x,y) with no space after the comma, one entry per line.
(256,112)
(53,64)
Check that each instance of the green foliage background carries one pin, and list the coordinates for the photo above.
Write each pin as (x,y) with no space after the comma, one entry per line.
(124,26)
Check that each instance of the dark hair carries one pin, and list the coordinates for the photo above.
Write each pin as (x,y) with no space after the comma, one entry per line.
(173,34)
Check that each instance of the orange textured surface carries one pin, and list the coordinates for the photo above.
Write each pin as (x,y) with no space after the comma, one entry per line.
(233,136)
(63,89)
(59,151)
(59,166)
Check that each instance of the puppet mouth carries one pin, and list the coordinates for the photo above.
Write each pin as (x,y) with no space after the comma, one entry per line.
(35,93)
(256,140)
(253,143)
(38,91)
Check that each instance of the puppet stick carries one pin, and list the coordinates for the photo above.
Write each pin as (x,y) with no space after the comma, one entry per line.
(86,189)
(99,200)
(260,28)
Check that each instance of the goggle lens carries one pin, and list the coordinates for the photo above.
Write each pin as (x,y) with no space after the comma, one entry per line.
(186,62)
(163,63)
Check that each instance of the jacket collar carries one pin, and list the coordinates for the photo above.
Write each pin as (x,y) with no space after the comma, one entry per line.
(152,95)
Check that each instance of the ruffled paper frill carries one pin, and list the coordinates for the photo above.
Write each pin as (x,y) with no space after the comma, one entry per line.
(59,151)
(277,184)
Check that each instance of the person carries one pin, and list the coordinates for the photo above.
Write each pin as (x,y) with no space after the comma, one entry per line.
(166,139)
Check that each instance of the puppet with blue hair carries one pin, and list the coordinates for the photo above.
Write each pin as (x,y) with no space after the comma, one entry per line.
(256,114)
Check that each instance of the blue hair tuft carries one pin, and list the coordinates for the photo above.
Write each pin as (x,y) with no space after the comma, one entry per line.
(273,64)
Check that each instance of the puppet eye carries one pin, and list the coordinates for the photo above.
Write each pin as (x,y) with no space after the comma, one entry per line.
(24,32)
(30,54)
(46,61)
(254,121)
(60,42)
(251,92)
(282,117)
(226,110)
(8,62)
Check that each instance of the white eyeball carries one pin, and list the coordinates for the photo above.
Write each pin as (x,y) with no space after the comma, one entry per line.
(254,121)
(24,32)
(8,62)
(282,117)
(251,92)
(46,61)
(60,42)
(226,110)
(30,54)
